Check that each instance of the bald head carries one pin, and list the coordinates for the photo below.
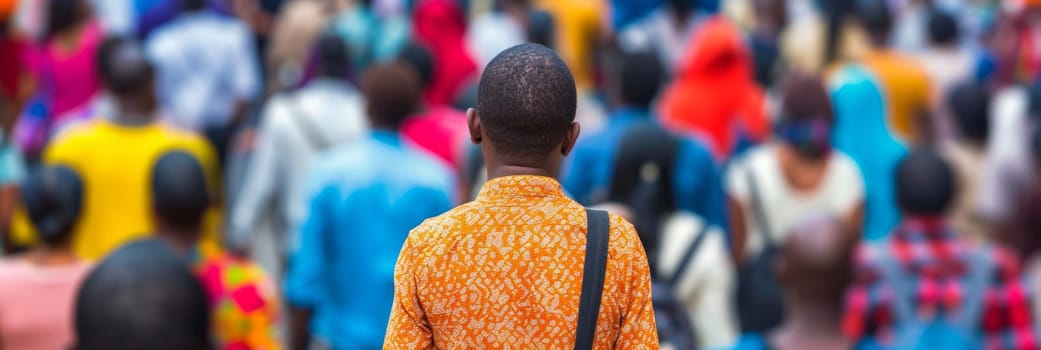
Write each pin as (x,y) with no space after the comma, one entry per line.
(816,259)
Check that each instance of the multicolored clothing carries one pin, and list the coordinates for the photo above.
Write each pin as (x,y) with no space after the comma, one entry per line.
(242,297)
(505,271)
(937,259)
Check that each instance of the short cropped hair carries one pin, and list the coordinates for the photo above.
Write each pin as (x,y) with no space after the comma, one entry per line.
(419,58)
(53,198)
(142,297)
(526,101)
(391,92)
(123,67)
(943,28)
(925,184)
(970,104)
(179,192)
(641,76)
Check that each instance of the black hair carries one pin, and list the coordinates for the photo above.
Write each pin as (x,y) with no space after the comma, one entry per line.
(62,15)
(526,101)
(641,76)
(53,198)
(333,56)
(142,297)
(925,184)
(876,17)
(123,67)
(419,58)
(391,93)
(804,97)
(836,12)
(180,196)
(541,29)
(970,105)
(943,28)
(192,5)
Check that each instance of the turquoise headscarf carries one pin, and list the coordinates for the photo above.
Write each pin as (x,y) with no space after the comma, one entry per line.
(862,133)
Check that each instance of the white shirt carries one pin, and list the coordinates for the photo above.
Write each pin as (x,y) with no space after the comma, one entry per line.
(285,151)
(840,192)
(658,32)
(206,65)
(117,16)
(1008,168)
(707,287)
(492,33)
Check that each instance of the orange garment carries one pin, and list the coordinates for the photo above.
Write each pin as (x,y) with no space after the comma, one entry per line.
(579,25)
(505,271)
(714,95)
(905,85)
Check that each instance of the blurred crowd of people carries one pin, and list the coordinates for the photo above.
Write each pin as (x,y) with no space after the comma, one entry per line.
(802,174)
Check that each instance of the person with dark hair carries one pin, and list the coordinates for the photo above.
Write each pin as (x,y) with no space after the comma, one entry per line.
(814,268)
(362,198)
(296,126)
(207,72)
(114,155)
(947,63)
(142,297)
(243,302)
(504,270)
(969,103)
(440,25)
(37,288)
(905,83)
(667,31)
(974,289)
(436,128)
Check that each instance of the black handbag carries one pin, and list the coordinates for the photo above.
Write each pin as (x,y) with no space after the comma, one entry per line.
(759,303)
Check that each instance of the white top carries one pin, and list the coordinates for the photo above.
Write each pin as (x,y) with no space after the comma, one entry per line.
(708,285)
(658,32)
(492,33)
(284,151)
(206,64)
(1008,169)
(839,193)
(116,16)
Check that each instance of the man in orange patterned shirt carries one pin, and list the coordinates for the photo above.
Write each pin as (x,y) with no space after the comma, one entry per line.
(505,271)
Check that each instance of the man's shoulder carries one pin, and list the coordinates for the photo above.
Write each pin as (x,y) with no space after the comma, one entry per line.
(441,228)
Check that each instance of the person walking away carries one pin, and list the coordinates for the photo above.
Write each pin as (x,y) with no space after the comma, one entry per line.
(695,184)
(814,269)
(114,156)
(295,128)
(779,184)
(37,288)
(506,269)
(438,129)
(969,104)
(362,199)
(667,31)
(941,291)
(242,298)
(441,26)
(863,133)
(948,64)
(207,72)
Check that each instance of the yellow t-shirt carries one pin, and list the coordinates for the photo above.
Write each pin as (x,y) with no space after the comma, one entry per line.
(578,25)
(905,85)
(115,164)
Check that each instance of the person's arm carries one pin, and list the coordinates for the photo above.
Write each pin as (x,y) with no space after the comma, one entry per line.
(710,302)
(8,201)
(408,327)
(699,184)
(259,184)
(738,231)
(245,77)
(638,330)
(305,276)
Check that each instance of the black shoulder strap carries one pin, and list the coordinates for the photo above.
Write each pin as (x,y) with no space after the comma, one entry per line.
(689,255)
(757,208)
(595,267)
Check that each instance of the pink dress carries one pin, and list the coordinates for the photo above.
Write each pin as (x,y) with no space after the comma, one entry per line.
(70,77)
(440,131)
(36,304)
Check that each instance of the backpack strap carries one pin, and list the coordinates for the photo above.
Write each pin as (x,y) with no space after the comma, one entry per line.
(893,274)
(981,271)
(757,209)
(685,261)
(595,267)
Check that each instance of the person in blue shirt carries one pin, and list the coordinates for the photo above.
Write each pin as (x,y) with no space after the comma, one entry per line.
(696,183)
(363,198)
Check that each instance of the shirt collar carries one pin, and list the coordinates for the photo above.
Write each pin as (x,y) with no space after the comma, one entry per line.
(520,186)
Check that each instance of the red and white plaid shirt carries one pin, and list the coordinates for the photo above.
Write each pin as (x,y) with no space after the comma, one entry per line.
(937,260)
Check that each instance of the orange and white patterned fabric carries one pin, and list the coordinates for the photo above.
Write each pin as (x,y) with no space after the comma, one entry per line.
(505,271)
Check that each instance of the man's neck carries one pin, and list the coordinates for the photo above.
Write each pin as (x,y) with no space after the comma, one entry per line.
(517,170)
(131,118)
(181,241)
(52,255)
(811,322)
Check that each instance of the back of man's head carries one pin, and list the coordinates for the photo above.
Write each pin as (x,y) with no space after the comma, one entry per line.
(391,94)
(925,184)
(526,102)
(193,5)
(332,56)
(180,196)
(970,104)
(943,29)
(641,75)
(124,68)
(876,18)
(816,260)
(419,58)
(142,297)
(53,197)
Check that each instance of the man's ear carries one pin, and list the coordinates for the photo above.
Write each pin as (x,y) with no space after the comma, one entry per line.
(473,123)
(570,138)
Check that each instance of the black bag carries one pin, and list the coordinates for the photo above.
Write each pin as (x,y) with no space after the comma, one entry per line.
(759,303)
(675,328)
(598,232)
